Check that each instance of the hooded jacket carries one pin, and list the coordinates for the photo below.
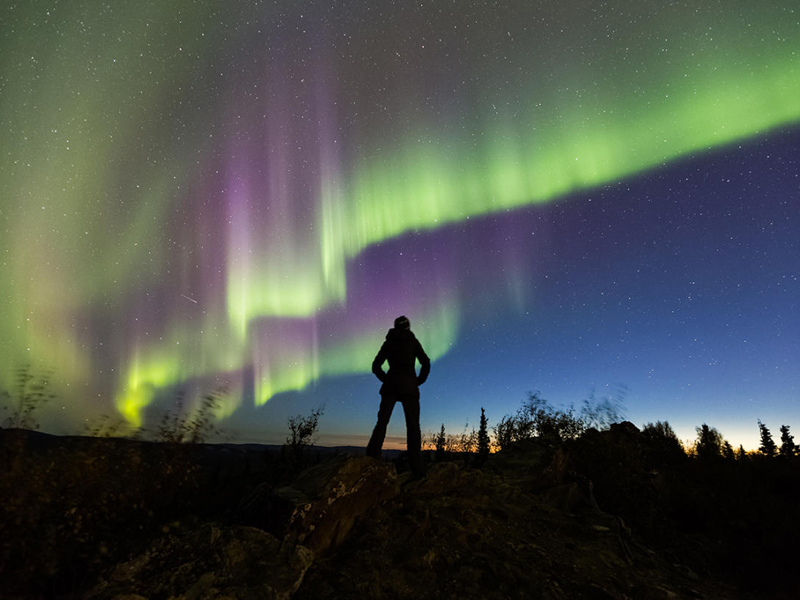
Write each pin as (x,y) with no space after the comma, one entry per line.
(402,350)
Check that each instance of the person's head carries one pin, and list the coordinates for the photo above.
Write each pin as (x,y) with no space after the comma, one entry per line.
(402,323)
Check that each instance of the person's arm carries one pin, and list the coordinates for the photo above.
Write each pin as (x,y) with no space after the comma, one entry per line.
(425,363)
(377,364)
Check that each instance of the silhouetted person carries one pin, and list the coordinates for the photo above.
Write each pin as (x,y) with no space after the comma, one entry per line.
(400,384)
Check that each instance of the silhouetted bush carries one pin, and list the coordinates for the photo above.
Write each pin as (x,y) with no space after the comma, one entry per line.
(178,426)
(452,447)
(709,443)
(663,446)
(604,412)
(31,392)
(537,418)
(302,430)
(465,445)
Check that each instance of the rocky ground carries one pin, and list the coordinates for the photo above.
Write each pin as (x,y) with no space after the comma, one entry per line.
(354,529)
(523,524)
(462,533)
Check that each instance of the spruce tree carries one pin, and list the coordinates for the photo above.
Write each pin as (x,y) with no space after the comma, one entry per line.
(788,447)
(767,447)
(483,437)
(441,441)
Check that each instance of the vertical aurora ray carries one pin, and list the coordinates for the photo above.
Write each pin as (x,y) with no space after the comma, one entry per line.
(188,191)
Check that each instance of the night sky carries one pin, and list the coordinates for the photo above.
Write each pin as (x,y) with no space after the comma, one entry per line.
(570,197)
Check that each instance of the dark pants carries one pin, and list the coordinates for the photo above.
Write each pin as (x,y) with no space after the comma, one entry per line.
(410,404)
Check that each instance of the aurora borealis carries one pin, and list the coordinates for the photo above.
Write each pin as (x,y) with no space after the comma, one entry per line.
(558,195)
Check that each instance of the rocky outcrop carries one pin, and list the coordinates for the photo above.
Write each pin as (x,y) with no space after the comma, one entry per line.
(336,494)
(523,527)
(310,517)
(320,506)
(465,533)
